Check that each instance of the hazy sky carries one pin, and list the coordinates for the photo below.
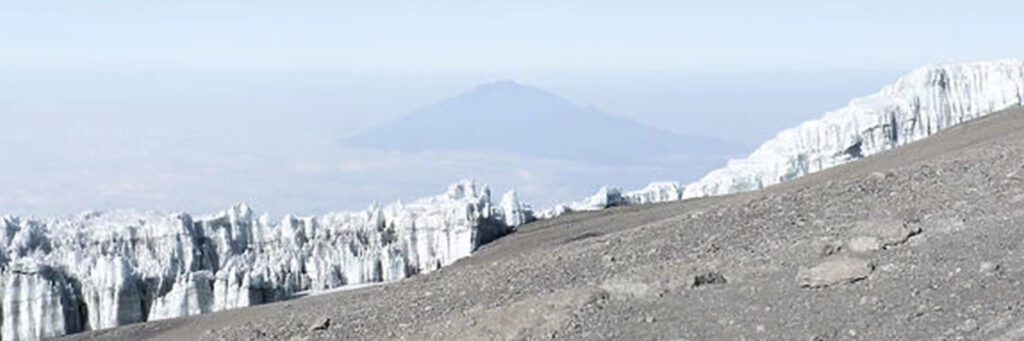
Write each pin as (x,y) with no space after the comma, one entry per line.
(194,105)
(503,36)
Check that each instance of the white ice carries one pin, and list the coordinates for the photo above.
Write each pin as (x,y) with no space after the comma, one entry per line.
(105,269)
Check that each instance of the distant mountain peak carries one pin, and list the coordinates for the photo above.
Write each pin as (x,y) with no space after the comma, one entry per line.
(510,90)
(507,116)
(499,85)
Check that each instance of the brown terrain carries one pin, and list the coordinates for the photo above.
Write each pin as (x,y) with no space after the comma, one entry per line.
(925,242)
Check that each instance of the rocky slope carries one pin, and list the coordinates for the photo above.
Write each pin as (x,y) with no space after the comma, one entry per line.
(107,269)
(920,242)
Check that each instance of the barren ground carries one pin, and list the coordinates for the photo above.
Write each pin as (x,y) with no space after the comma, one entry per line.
(920,243)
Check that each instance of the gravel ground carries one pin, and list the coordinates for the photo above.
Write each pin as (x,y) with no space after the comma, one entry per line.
(921,243)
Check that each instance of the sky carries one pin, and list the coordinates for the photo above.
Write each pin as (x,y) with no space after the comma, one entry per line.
(195,105)
(503,36)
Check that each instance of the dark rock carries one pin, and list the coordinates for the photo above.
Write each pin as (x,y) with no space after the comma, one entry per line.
(708,278)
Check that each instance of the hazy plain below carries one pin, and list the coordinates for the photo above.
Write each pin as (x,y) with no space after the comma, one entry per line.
(201,141)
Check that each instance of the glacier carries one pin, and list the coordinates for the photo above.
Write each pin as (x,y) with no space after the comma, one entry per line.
(926,101)
(105,269)
(917,105)
(607,196)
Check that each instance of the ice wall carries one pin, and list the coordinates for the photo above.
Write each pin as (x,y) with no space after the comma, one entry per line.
(106,269)
(918,105)
(606,197)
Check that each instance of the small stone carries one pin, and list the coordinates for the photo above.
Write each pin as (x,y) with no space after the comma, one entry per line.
(864,244)
(888,231)
(649,319)
(830,248)
(708,278)
(836,270)
(323,325)
(988,267)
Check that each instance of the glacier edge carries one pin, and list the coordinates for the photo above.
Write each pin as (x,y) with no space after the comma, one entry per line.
(105,269)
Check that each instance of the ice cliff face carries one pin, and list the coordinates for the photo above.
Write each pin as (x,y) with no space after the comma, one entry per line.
(918,105)
(101,270)
(606,197)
